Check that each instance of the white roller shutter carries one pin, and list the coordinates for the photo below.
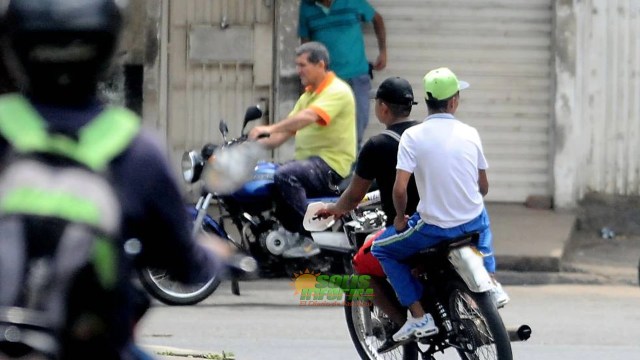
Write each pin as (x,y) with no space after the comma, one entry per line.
(501,47)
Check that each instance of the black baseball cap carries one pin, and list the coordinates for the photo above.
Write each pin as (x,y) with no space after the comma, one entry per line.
(395,90)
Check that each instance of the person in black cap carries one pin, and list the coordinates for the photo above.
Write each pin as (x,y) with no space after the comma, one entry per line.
(377,161)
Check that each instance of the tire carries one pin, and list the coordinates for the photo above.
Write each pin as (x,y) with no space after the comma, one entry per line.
(478,325)
(167,291)
(367,345)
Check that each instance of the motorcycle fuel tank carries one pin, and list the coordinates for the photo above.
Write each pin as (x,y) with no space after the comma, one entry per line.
(260,185)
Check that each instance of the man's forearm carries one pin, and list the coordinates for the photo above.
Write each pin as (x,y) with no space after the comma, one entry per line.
(296,122)
(348,201)
(400,202)
(274,140)
(355,192)
(381,33)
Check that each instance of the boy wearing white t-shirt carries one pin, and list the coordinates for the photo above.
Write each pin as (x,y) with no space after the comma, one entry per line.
(446,158)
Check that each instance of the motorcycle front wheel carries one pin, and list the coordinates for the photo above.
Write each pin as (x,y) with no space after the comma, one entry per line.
(160,285)
(368,326)
(479,330)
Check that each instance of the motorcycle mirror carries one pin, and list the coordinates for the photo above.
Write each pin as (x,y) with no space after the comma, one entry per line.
(224,130)
(252,113)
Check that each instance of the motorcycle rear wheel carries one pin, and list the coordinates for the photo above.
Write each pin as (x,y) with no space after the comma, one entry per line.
(160,285)
(367,344)
(479,329)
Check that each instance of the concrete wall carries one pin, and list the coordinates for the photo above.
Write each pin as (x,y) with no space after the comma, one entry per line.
(286,81)
(154,96)
(596,116)
(597,111)
(132,42)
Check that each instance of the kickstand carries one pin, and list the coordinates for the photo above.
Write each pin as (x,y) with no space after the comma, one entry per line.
(235,287)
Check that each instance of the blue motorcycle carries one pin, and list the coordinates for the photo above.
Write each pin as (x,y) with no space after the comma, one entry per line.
(239,183)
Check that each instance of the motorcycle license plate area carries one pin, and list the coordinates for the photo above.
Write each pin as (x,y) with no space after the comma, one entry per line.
(313,223)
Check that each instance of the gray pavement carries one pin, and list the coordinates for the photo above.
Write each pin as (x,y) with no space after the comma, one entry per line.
(536,246)
(529,239)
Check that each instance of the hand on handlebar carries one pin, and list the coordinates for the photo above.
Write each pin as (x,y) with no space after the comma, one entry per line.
(216,245)
(259,132)
(237,263)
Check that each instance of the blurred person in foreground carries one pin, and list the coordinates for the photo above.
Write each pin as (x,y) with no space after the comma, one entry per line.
(60,50)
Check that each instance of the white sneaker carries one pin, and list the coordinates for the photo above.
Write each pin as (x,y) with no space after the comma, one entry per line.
(418,327)
(499,296)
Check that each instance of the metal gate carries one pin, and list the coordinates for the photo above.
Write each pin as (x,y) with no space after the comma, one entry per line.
(219,62)
(504,49)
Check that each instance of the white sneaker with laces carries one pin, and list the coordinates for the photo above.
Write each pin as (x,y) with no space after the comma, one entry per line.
(418,327)
(500,297)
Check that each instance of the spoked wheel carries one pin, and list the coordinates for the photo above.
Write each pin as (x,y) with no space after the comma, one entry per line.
(480,332)
(160,285)
(368,328)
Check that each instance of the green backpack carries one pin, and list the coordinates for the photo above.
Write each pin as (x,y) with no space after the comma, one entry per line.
(60,218)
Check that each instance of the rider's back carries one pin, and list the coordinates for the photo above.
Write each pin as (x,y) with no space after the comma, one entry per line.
(60,48)
(377,161)
(444,155)
(136,176)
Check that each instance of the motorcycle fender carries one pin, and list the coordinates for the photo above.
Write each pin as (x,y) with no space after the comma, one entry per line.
(336,241)
(469,264)
(208,220)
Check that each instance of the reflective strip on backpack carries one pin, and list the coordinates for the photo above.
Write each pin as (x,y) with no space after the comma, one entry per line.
(101,140)
(46,203)
(30,186)
(105,258)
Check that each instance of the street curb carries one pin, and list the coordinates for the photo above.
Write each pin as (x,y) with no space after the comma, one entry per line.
(528,263)
(168,352)
(517,278)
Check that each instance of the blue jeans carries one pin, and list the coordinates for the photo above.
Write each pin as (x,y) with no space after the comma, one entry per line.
(361,86)
(298,180)
(392,247)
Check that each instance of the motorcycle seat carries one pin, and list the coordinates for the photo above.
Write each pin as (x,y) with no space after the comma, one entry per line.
(460,241)
(442,249)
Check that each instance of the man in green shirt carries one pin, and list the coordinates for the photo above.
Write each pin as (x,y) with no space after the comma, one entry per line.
(323,125)
(337,24)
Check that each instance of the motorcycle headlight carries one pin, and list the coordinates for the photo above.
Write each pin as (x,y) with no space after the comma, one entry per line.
(191,166)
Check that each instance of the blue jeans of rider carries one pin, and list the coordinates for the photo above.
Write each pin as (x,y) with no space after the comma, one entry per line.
(298,180)
(361,86)
(392,247)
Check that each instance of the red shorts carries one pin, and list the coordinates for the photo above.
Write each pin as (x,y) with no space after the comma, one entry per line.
(364,262)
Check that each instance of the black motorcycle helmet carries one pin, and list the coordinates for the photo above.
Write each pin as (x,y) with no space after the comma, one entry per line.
(58,50)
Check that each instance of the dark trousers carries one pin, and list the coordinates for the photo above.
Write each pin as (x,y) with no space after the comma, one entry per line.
(298,180)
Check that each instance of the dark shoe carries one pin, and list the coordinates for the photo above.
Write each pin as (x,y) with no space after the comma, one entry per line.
(388,345)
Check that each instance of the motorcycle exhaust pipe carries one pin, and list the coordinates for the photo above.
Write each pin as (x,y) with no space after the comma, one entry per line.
(522,333)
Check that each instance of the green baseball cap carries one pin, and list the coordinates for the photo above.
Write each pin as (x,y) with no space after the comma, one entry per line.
(442,83)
